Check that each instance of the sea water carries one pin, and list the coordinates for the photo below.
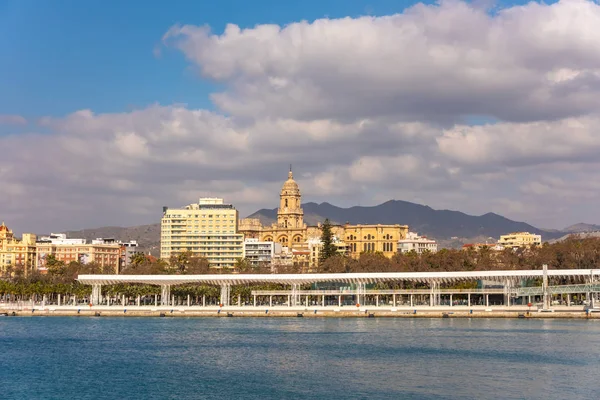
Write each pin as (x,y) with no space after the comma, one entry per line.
(298,358)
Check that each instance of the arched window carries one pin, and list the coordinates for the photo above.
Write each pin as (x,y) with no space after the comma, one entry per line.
(286,203)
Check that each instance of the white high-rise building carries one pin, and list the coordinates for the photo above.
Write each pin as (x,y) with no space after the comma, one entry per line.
(207,229)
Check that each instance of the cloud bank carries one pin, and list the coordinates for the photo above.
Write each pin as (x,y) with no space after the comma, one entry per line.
(444,104)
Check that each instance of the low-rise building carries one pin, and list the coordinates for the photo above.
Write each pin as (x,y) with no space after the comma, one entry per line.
(128,250)
(106,255)
(374,238)
(479,246)
(16,253)
(207,229)
(414,242)
(260,253)
(315,246)
(60,238)
(520,239)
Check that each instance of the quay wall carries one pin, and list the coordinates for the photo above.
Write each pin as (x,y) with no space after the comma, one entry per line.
(178,312)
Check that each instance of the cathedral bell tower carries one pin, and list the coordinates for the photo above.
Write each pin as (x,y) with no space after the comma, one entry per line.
(290,214)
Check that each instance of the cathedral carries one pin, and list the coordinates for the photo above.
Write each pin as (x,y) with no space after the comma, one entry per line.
(291,231)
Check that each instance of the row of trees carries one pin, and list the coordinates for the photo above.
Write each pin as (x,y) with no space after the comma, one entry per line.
(574,253)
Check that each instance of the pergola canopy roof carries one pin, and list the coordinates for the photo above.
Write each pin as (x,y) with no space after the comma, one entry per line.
(366,277)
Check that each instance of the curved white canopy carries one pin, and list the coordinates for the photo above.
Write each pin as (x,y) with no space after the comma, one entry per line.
(366,277)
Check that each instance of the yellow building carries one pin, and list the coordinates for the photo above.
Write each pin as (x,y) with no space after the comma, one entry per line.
(208,229)
(374,238)
(15,253)
(520,239)
(291,231)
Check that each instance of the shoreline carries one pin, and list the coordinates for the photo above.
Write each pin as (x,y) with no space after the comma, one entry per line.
(297,312)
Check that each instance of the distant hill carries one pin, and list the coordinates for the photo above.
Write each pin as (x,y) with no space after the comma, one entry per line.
(450,228)
(581,227)
(439,224)
(147,236)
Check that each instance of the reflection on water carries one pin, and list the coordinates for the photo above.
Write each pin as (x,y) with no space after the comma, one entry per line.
(298,358)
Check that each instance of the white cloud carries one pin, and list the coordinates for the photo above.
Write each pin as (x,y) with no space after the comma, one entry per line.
(439,61)
(571,139)
(366,109)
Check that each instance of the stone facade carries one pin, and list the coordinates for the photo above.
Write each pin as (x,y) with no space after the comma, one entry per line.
(291,231)
(15,253)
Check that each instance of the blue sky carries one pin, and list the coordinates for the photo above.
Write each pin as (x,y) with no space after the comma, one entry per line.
(63,56)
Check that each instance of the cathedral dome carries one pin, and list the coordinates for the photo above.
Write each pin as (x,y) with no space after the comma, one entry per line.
(290,185)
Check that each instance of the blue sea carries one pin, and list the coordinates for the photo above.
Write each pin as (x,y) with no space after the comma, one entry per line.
(298,358)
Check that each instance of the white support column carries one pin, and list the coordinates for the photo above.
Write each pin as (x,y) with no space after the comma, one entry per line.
(59,299)
(203,300)
(123,301)
(568,299)
(360,293)
(254,300)
(293,298)
(340,300)
(306,300)
(188,300)
(323,300)
(289,300)
(412,301)
(96,291)
(139,298)
(239,300)
(487,300)
(155,300)
(469,299)
(376,300)
(225,294)
(270,300)
(394,300)
(450,299)
(507,292)
(545,288)
(165,295)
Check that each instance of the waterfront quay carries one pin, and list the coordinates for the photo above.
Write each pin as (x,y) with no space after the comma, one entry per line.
(355,294)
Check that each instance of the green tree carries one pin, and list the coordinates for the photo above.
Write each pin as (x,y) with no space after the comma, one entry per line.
(243,266)
(328,250)
(55,267)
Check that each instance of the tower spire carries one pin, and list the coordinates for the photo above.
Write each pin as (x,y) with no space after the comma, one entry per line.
(290,175)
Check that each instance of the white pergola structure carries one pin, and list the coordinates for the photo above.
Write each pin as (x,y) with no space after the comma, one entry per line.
(508,279)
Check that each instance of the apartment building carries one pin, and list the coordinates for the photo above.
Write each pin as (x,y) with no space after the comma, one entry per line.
(106,254)
(16,253)
(260,253)
(419,244)
(520,239)
(208,229)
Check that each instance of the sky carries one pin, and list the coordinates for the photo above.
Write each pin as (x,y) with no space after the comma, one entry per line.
(110,110)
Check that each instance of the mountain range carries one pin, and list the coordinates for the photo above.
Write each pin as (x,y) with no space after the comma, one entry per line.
(449,228)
